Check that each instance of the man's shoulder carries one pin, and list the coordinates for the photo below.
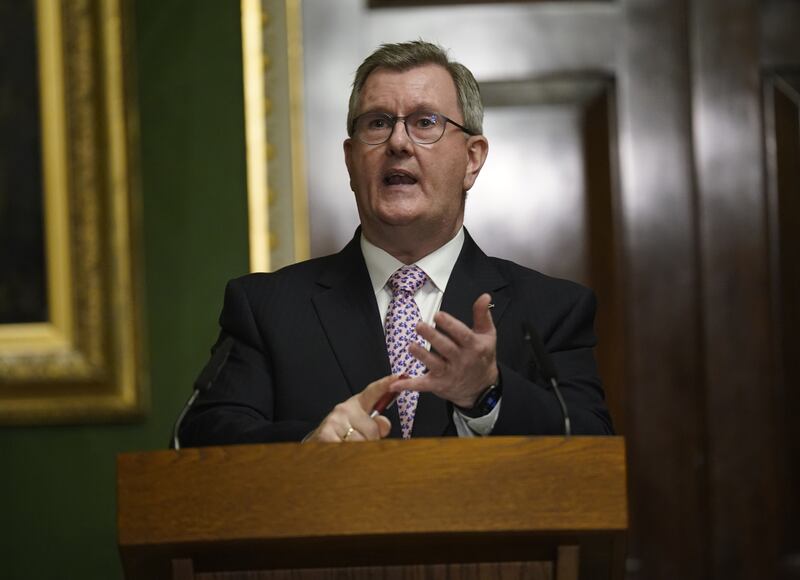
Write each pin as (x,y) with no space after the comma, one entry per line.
(297,275)
(530,280)
(518,277)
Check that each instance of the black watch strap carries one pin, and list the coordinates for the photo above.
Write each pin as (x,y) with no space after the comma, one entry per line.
(485,403)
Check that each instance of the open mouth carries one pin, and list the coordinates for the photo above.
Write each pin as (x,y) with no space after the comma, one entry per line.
(395,177)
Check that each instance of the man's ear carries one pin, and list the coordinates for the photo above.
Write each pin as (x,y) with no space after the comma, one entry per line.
(348,154)
(348,159)
(477,150)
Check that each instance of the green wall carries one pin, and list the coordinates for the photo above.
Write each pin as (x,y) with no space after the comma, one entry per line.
(57,512)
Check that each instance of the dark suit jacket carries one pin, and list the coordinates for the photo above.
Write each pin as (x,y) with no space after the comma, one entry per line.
(309,336)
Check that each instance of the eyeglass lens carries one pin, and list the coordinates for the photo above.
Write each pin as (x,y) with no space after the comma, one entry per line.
(422,126)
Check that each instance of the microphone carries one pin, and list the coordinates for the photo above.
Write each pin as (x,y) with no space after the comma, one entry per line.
(203,383)
(548,371)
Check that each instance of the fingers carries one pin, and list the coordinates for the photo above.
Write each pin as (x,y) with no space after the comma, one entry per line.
(333,428)
(420,384)
(384,425)
(459,333)
(434,363)
(350,420)
(365,427)
(370,396)
(347,423)
(439,341)
(462,360)
(482,322)
(451,335)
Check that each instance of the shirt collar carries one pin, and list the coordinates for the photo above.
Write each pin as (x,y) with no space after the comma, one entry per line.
(437,265)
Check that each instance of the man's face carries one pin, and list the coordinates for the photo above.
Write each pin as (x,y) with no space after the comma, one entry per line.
(400,183)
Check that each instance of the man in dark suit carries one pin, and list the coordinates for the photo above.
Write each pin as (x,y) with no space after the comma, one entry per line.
(411,307)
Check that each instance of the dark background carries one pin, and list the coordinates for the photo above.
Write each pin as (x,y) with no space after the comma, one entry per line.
(22,268)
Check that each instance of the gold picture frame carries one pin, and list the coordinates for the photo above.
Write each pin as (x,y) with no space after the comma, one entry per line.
(272,56)
(86,362)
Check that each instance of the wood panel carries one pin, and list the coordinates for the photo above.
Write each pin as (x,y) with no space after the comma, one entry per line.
(735,281)
(666,405)
(344,476)
(536,167)
(603,225)
(779,41)
(486,571)
(782,142)
(428,501)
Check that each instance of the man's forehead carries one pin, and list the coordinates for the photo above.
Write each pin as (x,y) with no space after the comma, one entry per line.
(428,70)
(425,84)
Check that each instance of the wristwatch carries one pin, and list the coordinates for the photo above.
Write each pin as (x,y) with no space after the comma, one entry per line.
(485,403)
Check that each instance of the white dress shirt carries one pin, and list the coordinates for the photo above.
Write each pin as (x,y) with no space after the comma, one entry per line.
(438,266)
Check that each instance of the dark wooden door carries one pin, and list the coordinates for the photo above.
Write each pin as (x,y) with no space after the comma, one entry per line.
(650,149)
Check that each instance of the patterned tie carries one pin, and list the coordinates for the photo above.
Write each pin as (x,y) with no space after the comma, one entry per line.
(400,327)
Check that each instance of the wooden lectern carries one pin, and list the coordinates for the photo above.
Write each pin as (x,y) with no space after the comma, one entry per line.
(496,507)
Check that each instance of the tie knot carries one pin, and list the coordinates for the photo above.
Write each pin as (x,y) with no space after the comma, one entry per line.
(407,279)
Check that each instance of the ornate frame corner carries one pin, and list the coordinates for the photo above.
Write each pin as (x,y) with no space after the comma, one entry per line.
(86,363)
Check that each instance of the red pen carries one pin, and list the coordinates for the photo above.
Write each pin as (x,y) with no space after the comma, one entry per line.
(383,403)
(390,398)
(387,400)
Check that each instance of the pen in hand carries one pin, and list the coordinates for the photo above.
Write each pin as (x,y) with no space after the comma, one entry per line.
(383,403)
(389,399)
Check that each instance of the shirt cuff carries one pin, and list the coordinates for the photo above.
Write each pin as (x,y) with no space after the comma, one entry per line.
(476,426)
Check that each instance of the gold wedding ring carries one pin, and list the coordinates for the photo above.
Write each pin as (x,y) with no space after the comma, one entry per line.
(349,432)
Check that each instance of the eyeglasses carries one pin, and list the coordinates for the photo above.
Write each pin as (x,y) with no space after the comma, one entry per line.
(422,127)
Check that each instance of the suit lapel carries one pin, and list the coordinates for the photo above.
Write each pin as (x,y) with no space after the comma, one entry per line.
(473,274)
(348,312)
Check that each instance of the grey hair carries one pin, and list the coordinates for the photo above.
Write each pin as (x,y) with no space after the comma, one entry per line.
(404,56)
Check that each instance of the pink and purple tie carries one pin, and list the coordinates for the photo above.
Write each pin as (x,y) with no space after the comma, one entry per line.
(401,330)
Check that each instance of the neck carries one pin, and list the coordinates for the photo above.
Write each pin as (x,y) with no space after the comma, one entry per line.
(409,245)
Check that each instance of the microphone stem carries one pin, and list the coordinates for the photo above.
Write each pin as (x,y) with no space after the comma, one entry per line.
(557,391)
(176,444)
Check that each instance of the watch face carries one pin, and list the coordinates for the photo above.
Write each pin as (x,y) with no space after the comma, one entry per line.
(485,404)
(491,399)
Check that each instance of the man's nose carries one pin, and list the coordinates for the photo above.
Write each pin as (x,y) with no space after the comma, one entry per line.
(399,141)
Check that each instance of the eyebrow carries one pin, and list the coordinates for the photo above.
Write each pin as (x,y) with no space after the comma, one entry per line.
(421,107)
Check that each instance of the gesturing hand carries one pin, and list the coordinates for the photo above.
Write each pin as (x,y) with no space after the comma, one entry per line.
(464,362)
(350,420)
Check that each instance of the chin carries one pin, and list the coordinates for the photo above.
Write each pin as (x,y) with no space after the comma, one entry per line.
(398,219)
(399,214)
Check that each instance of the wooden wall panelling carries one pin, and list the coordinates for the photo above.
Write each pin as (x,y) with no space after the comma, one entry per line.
(779,40)
(738,337)
(665,415)
(487,571)
(782,144)
(568,227)
(780,61)
(535,167)
(602,198)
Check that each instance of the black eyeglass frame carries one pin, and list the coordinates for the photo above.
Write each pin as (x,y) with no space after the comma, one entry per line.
(393,119)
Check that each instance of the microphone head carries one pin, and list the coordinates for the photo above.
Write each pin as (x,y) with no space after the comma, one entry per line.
(543,361)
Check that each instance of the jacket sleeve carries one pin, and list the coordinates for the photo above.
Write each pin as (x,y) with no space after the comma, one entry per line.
(239,406)
(530,407)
